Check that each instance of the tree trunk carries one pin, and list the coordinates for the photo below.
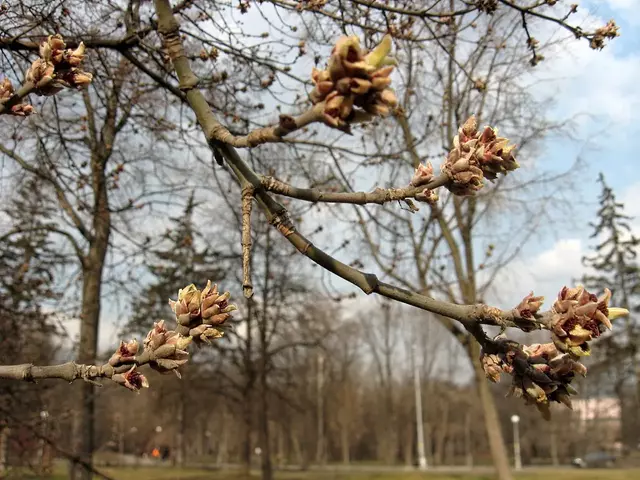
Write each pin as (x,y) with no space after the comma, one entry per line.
(491,418)
(247,396)
(442,434)
(264,434)
(344,442)
(390,434)
(468,446)
(265,443)
(554,445)
(408,445)
(92,269)
(4,448)
(223,436)
(320,442)
(181,456)
(428,441)
(83,435)
(300,456)
(281,455)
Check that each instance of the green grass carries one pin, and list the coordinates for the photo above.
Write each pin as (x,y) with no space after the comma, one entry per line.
(168,473)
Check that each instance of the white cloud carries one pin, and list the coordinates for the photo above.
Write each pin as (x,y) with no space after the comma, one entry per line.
(107,332)
(629,198)
(545,273)
(621,4)
(626,9)
(624,12)
(548,271)
(585,81)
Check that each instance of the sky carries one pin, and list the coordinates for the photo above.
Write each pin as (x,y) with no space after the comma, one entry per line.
(599,89)
(605,85)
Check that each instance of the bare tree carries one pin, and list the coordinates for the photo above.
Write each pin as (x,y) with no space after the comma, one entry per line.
(353,88)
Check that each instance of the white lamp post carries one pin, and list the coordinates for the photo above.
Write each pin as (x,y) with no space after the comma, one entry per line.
(515,420)
(44,416)
(207,435)
(422,458)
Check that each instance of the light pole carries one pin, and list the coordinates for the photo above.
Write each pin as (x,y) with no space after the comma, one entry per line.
(422,458)
(156,449)
(207,435)
(44,416)
(515,420)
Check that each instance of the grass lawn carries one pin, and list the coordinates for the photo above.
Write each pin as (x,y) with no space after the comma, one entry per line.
(166,473)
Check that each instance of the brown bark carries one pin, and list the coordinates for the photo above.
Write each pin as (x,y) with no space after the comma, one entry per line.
(93,266)
(407,447)
(320,440)
(468,446)
(344,443)
(223,443)
(4,447)
(181,454)
(83,434)
(491,418)
(247,393)
(442,434)
(265,444)
(264,433)
(281,453)
(553,439)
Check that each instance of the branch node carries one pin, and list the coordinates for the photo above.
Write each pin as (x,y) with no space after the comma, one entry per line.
(27,375)
(371,283)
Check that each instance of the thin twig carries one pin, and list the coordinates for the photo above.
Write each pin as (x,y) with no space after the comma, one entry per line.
(278,216)
(247,204)
(72,371)
(55,445)
(16,98)
(272,134)
(379,195)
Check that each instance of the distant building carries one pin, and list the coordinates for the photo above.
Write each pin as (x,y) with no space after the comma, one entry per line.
(588,409)
(600,420)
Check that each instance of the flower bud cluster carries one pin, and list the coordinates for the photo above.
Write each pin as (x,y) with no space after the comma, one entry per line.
(354,78)
(610,31)
(6,92)
(579,317)
(542,373)
(422,176)
(201,314)
(477,155)
(58,67)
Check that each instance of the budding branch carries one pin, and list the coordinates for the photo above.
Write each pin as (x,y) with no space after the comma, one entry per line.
(379,195)
(16,98)
(278,215)
(71,371)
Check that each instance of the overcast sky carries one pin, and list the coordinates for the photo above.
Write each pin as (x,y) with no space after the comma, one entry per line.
(604,84)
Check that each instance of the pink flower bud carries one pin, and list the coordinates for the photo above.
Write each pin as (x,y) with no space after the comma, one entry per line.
(422,175)
(133,380)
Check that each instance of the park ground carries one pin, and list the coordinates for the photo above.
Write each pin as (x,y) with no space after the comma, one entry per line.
(168,473)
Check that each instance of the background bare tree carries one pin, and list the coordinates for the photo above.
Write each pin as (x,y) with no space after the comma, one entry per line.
(468,58)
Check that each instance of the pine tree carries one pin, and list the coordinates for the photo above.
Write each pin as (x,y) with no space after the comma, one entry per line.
(28,260)
(614,263)
(181,262)
(614,260)
(28,263)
